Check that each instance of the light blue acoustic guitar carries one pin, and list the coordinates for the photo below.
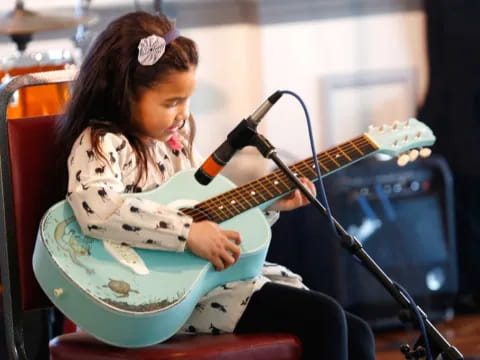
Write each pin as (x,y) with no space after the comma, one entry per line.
(134,298)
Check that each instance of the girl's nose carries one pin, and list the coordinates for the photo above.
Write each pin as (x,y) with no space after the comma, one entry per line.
(184,112)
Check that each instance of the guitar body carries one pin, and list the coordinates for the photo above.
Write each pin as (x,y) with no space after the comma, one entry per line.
(123,308)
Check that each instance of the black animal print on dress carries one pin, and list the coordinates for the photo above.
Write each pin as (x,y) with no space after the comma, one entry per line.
(87,208)
(191,329)
(245,301)
(85,187)
(113,160)
(91,155)
(187,225)
(127,165)
(133,188)
(121,146)
(77,175)
(215,331)
(96,228)
(166,157)
(175,152)
(102,193)
(100,170)
(182,238)
(150,241)
(131,228)
(162,225)
(161,167)
(218,306)
(134,210)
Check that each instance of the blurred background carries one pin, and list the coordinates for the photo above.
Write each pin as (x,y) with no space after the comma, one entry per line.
(355,63)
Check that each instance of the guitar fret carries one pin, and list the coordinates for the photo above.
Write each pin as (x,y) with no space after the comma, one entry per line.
(356,147)
(339,157)
(310,167)
(223,204)
(206,208)
(252,194)
(263,185)
(234,201)
(297,172)
(331,157)
(280,182)
(344,153)
(244,197)
(258,192)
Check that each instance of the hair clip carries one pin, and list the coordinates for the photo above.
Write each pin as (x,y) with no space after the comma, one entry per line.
(151,48)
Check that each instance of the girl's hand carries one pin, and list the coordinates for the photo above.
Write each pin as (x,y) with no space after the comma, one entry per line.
(295,199)
(207,240)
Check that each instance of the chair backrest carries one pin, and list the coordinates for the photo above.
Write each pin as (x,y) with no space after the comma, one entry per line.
(34,186)
(29,185)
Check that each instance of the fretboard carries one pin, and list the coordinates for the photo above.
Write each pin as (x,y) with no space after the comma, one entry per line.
(231,203)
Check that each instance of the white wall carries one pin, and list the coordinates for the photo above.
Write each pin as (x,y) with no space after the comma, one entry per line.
(300,56)
(241,64)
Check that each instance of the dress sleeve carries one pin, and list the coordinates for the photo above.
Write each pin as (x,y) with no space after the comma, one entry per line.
(95,193)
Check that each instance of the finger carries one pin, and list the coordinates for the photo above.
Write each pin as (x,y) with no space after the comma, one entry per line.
(233,235)
(234,250)
(227,259)
(217,263)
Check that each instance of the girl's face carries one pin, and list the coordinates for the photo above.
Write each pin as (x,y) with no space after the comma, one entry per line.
(160,111)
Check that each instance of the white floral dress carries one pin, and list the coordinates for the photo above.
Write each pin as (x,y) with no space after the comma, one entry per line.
(94,192)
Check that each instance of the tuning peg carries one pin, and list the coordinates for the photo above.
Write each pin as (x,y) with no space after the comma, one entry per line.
(425,152)
(371,128)
(403,160)
(395,125)
(413,155)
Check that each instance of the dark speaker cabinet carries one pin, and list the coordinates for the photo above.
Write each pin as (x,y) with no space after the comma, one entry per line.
(403,217)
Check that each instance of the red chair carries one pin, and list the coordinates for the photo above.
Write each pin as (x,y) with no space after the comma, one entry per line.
(28,184)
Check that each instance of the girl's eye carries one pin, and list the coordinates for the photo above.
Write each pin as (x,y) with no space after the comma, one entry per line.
(173,103)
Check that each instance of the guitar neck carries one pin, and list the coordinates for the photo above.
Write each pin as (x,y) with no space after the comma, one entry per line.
(231,203)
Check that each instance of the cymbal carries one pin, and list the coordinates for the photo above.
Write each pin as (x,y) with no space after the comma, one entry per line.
(21,21)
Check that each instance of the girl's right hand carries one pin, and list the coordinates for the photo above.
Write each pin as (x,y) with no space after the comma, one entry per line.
(207,240)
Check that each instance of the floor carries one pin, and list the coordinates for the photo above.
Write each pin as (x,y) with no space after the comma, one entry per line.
(463,332)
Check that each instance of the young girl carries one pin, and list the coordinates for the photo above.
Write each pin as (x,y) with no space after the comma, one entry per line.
(128,129)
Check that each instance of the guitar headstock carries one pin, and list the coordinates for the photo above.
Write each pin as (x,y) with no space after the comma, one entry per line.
(404,139)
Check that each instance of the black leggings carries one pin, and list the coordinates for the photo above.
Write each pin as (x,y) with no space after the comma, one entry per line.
(324,328)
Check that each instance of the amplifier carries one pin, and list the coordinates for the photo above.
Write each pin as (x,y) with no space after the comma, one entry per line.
(404,218)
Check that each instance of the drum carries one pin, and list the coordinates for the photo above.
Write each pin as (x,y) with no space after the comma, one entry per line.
(36,100)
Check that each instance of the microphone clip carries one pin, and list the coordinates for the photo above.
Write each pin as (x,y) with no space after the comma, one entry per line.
(243,134)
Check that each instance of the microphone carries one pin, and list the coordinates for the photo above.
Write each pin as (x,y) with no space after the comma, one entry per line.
(236,140)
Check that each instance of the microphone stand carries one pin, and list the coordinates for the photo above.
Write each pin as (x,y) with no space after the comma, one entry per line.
(246,135)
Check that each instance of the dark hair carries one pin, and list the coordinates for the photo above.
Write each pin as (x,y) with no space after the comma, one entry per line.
(111,77)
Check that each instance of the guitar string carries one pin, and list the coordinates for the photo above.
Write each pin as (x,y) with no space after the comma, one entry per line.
(349,148)
(275,184)
(221,200)
(217,204)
